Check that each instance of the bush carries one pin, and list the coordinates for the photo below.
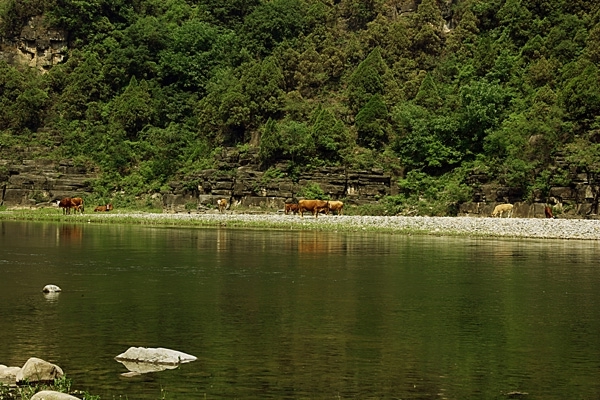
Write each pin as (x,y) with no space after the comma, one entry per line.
(313,191)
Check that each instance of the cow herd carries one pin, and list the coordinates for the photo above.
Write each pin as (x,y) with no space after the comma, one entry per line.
(77,204)
(315,207)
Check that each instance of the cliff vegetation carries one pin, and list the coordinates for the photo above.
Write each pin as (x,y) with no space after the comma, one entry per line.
(433,92)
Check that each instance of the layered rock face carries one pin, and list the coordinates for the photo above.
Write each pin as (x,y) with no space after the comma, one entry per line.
(39,182)
(37,46)
(238,177)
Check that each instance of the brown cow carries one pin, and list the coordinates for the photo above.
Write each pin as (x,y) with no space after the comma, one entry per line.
(77,204)
(222,204)
(314,206)
(66,205)
(291,207)
(107,207)
(548,212)
(336,206)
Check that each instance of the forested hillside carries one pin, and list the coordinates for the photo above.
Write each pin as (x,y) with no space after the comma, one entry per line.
(431,91)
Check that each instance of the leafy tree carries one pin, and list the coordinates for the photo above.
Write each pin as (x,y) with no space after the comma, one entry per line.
(566,40)
(14,14)
(541,73)
(359,12)
(230,13)
(90,20)
(463,38)
(329,135)
(428,39)
(482,107)
(593,44)
(372,123)
(581,93)
(428,95)
(262,85)
(224,111)
(367,80)
(81,84)
(421,138)
(288,140)
(195,49)
(516,19)
(271,23)
(271,142)
(133,109)
(584,152)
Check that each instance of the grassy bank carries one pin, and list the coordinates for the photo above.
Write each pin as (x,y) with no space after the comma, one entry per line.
(250,219)
(539,228)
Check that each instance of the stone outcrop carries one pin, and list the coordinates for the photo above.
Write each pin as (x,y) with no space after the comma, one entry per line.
(239,178)
(578,200)
(33,183)
(37,46)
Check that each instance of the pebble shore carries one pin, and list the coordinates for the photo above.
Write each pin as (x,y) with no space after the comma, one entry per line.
(583,229)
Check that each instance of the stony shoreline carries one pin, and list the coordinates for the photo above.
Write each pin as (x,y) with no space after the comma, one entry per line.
(581,229)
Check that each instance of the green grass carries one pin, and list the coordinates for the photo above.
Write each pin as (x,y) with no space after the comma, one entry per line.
(133,218)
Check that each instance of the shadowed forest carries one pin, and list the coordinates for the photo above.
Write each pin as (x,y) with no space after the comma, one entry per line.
(433,92)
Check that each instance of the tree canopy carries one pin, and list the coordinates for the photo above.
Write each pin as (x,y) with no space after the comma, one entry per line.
(150,89)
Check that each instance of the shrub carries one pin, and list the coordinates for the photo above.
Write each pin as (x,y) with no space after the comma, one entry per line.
(313,191)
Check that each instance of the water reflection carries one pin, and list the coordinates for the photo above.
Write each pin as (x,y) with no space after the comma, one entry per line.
(285,314)
(69,234)
(145,368)
(51,296)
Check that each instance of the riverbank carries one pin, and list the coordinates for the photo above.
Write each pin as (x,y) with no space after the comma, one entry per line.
(581,229)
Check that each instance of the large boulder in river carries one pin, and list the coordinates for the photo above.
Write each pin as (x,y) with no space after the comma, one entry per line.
(37,370)
(52,395)
(155,356)
(142,360)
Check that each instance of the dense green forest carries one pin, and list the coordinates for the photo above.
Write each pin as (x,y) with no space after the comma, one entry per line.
(151,90)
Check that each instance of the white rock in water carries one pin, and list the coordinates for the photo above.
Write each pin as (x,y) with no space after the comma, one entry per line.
(155,355)
(52,395)
(51,289)
(38,370)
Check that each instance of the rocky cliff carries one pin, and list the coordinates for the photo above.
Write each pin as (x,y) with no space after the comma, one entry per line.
(238,177)
(37,46)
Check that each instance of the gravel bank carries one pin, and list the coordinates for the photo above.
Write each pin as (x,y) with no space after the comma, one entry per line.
(467,226)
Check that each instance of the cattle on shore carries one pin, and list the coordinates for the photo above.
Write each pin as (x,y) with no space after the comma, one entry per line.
(500,209)
(548,212)
(77,204)
(336,206)
(66,205)
(291,208)
(314,206)
(222,204)
(107,207)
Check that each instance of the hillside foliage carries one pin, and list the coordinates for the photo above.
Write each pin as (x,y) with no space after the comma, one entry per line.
(152,89)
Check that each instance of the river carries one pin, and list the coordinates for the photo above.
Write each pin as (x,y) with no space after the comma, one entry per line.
(303,314)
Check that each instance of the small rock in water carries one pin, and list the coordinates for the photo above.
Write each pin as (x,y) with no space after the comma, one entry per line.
(51,289)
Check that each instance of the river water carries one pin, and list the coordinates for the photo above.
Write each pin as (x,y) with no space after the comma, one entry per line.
(303,314)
